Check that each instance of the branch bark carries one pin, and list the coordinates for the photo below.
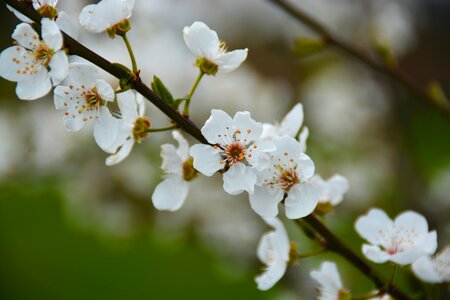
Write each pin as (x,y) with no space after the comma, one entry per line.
(390,72)
(333,242)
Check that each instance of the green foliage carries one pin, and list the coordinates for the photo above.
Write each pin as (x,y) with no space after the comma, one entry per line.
(161,90)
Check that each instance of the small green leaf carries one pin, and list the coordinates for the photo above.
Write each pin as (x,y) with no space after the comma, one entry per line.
(307,46)
(160,89)
(436,92)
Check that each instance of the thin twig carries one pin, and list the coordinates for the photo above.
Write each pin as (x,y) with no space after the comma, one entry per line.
(333,242)
(391,72)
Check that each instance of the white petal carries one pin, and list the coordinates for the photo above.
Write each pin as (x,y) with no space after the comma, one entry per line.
(123,152)
(292,121)
(141,104)
(14,61)
(406,257)
(35,86)
(328,278)
(306,167)
(279,236)
(104,90)
(410,220)
(60,97)
(258,154)
(19,15)
(265,200)
(301,201)
(106,129)
(128,106)
(269,131)
(183,146)
(59,67)
(81,74)
(430,244)
(207,159)
(250,129)
(51,34)
(370,226)
(303,137)
(425,269)
(65,24)
(98,17)
(171,162)
(271,275)
(239,178)
(218,127)
(230,61)
(375,254)
(170,194)
(201,40)
(25,36)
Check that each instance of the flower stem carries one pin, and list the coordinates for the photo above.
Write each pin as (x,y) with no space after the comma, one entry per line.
(161,129)
(130,51)
(189,96)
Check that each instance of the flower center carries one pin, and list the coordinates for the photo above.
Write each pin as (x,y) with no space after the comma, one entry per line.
(287,179)
(140,129)
(189,172)
(93,100)
(233,153)
(43,54)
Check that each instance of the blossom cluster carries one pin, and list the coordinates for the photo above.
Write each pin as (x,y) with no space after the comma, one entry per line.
(266,161)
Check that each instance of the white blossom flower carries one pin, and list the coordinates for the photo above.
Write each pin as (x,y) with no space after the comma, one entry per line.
(105,14)
(48,8)
(330,284)
(433,269)
(401,241)
(83,97)
(289,126)
(171,193)
(273,251)
(332,190)
(236,149)
(132,127)
(212,53)
(34,64)
(287,175)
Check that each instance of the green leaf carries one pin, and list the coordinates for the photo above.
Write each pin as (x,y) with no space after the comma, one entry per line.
(160,89)
(307,46)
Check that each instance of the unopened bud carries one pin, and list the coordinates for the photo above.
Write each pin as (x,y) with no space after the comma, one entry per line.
(206,66)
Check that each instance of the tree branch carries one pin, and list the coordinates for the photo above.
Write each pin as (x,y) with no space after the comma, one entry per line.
(390,72)
(333,242)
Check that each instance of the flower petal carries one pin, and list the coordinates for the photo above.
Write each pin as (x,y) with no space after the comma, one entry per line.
(301,201)
(250,130)
(65,24)
(425,269)
(171,162)
(26,37)
(292,121)
(81,74)
(239,178)
(104,90)
(306,167)
(328,278)
(230,61)
(106,128)
(170,194)
(201,40)
(218,127)
(51,34)
(98,17)
(35,86)
(375,254)
(272,274)
(59,67)
(183,146)
(123,152)
(19,15)
(14,61)
(371,225)
(207,159)
(265,200)
(128,106)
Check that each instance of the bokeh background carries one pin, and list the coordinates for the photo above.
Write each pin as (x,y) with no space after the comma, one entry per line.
(72,228)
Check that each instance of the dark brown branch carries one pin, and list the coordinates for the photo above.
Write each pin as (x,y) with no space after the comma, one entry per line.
(391,72)
(333,243)
(75,48)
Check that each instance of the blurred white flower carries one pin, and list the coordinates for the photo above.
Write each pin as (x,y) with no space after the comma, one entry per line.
(433,269)
(35,64)
(171,193)
(329,280)
(83,97)
(401,241)
(273,251)
(332,190)
(289,126)
(236,148)
(132,127)
(105,14)
(288,173)
(212,53)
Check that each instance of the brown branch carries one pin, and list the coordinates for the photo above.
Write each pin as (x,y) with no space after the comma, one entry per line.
(333,242)
(75,48)
(391,72)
